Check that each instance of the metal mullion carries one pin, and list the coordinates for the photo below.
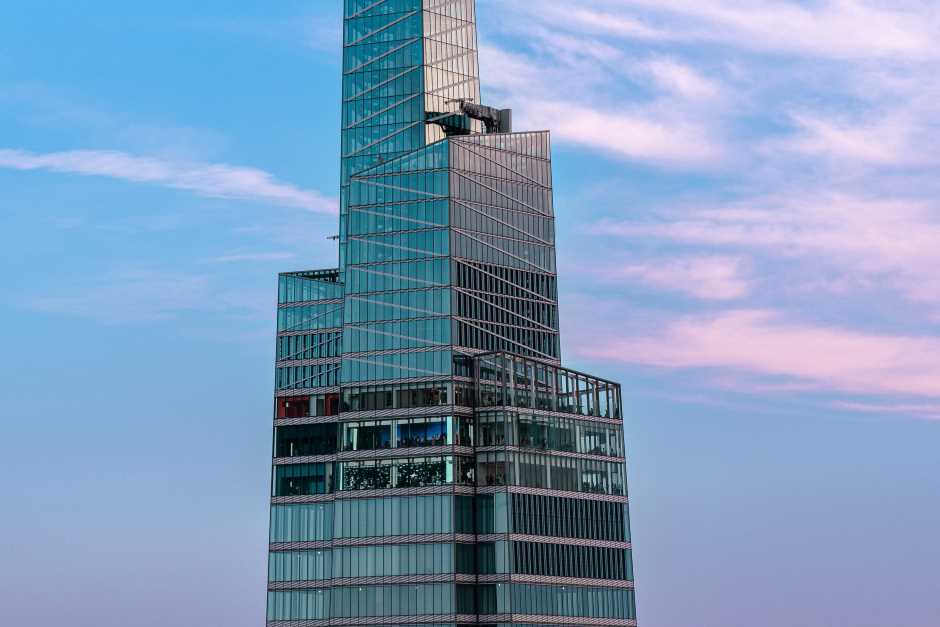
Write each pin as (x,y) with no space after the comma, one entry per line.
(527,300)
(503,337)
(382,84)
(292,355)
(429,373)
(358,209)
(511,326)
(368,181)
(467,264)
(382,139)
(383,28)
(359,67)
(499,193)
(368,8)
(498,221)
(431,314)
(469,52)
(306,320)
(452,85)
(508,254)
(405,248)
(368,271)
(365,329)
(466,146)
(510,312)
(361,123)
(505,150)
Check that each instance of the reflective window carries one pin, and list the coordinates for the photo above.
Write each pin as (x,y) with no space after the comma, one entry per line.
(302,523)
(569,518)
(566,560)
(405,473)
(305,440)
(303,479)
(407,433)
(394,516)
(573,601)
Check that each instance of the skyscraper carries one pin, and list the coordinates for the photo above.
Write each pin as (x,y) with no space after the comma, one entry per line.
(434,464)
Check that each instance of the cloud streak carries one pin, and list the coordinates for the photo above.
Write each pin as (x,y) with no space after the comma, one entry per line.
(136,297)
(209,180)
(891,242)
(252,257)
(840,29)
(709,278)
(768,343)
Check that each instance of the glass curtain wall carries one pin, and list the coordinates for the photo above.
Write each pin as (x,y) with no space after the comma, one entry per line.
(438,332)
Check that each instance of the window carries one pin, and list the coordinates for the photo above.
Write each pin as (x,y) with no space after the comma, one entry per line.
(305,440)
(308,406)
(303,479)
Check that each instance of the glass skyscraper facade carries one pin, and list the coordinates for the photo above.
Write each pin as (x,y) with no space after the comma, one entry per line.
(434,463)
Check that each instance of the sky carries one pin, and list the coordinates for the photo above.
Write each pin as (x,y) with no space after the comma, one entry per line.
(749,240)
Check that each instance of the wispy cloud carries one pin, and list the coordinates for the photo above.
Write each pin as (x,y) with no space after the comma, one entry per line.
(926,411)
(894,242)
(210,180)
(140,297)
(130,297)
(632,133)
(885,141)
(681,79)
(768,343)
(252,257)
(843,29)
(569,93)
(711,278)
(810,132)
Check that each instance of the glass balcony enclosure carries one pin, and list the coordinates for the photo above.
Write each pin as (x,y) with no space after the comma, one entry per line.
(407,433)
(507,380)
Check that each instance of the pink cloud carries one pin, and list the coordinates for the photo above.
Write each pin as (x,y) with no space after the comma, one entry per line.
(927,411)
(767,343)
(707,278)
(892,242)
(841,29)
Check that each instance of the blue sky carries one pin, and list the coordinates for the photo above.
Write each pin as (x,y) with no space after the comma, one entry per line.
(746,195)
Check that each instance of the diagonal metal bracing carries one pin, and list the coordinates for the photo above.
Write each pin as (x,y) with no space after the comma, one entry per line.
(379,214)
(367,270)
(362,122)
(503,223)
(509,311)
(471,264)
(452,85)
(294,384)
(470,323)
(366,9)
(359,67)
(477,181)
(467,146)
(430,373)
(489,245)
(376,183)
(428,253)
(366,329)
(337,337)
(382,139)
(431,314)
(312,318)
(362,93)
(384,27)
